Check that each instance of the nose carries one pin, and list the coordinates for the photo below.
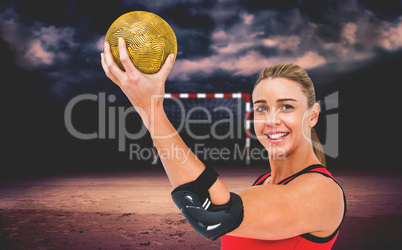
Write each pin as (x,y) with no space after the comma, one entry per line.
(271,118)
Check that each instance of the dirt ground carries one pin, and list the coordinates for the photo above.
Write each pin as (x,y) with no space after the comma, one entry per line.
(134,210)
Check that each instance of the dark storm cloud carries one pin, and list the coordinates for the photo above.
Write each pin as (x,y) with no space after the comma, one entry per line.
(253,5)
(36,45)
(218,41)
(310,33)
(386,10)
(64,49)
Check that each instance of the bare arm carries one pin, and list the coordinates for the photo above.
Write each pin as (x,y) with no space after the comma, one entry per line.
(146,92)
(309,204)
(180,163)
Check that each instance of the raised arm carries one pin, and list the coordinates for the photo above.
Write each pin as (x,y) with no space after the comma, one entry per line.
(146,93)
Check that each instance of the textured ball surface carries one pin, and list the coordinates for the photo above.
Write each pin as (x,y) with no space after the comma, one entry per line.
(149,40)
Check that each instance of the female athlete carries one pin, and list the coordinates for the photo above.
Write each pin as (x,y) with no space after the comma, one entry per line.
(298,205)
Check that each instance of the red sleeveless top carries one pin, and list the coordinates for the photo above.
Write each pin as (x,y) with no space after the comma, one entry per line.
(305,241)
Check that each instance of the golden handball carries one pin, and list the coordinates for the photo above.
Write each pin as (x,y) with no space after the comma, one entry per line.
(149,40)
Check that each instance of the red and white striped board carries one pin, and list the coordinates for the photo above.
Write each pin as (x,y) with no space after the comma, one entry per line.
(217,95)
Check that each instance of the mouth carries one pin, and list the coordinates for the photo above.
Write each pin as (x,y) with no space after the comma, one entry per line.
(276,137)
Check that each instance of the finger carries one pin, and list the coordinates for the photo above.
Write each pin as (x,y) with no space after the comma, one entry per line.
(107,72)
(167,67)
(125,58)
(111,64)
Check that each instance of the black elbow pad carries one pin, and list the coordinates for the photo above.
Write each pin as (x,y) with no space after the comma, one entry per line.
(209,220)
(210,224)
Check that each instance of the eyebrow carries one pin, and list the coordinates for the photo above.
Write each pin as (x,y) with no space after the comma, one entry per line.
(260,101)
(279,100)
(286,100)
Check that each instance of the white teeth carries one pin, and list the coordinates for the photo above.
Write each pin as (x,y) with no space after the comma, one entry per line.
(277,136)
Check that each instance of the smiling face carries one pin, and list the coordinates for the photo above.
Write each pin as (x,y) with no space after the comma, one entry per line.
(282,118)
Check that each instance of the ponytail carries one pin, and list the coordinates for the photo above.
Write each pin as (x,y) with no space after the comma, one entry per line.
(317,147)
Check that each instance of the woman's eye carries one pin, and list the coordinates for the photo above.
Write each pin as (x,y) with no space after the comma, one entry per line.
(287,107)
(261,109)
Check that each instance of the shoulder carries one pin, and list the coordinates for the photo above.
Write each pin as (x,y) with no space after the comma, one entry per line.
(324,197)
(315,185)
(316,182)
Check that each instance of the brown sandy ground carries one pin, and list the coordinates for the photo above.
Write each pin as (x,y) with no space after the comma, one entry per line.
(51,229)
(133,210)
(36,229)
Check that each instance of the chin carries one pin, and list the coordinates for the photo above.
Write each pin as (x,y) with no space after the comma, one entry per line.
(276,153)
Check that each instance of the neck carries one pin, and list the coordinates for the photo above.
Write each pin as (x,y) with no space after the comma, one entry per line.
(297,161)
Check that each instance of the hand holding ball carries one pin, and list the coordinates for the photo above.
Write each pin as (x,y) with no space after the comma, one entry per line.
(149,40)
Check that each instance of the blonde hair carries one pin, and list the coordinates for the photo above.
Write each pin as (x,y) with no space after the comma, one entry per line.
(295,73)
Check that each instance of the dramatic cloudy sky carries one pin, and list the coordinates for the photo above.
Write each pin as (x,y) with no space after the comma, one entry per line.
(221,44)
(51,49)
